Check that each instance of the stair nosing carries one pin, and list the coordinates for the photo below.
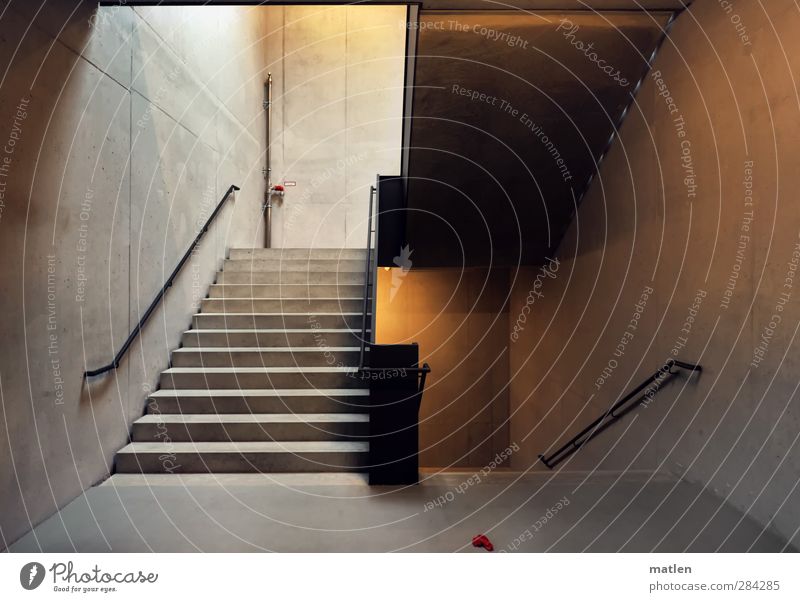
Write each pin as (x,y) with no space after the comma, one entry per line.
(169,393)
(286,298)
(211,447)
(257,418)
(304,313)
(259,369)
(262,349)
(271,330)
(306,284)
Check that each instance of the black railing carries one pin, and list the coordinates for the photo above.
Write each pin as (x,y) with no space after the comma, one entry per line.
(628,403)
(160,295)
(368,272)
(370,293)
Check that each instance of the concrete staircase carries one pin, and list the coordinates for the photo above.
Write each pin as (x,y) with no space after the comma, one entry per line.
(264,380)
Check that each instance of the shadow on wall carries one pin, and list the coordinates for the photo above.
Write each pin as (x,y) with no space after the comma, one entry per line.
(460,320)
(64,236)
(696,260)
(114,152)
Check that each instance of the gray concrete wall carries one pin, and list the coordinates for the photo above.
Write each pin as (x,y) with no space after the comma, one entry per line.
(338,94)
(460,320)
(696,203)
(120,130)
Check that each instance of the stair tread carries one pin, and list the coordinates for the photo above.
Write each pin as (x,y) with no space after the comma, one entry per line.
(251,418)
(206,447)
(302,249)
(260,369)
(260,393)
(281,313)
(285,299)
(271,330)
(233,479)
(262,349)
(311,274)
(288,284)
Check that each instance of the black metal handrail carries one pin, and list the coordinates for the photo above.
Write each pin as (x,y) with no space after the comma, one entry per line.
(601,423)
(370,286)
(422,372)
(160,295)
(367,278)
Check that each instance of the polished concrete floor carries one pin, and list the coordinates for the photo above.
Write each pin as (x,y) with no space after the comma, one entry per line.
(535,512)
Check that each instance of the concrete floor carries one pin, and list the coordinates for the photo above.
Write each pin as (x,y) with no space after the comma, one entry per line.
(534,512)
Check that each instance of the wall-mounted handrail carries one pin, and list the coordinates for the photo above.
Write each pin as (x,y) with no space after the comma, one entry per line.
(160,295)
(616,412)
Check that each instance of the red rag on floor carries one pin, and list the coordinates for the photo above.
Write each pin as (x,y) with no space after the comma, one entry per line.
(481,541)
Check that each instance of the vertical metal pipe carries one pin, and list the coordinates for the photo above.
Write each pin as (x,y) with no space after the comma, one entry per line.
(268,167)
(268,226)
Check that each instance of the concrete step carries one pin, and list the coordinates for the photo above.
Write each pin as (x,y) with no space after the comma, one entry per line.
(286,291)
(251,427)
(290,278)
(298,254)
(260,378)
(215,321)
(247,357)
(290,337)
(293,265)
(225,479)
(303,305)
(250,456)
(257,401)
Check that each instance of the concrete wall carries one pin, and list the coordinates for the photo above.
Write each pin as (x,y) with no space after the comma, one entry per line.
(120,130)
(337,121)
(460,320)
(687,247)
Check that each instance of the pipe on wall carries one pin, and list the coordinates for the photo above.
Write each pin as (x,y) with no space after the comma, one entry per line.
(268,167)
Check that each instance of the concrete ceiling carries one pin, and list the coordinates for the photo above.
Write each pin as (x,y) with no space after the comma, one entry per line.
(494,178)
(494,181)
